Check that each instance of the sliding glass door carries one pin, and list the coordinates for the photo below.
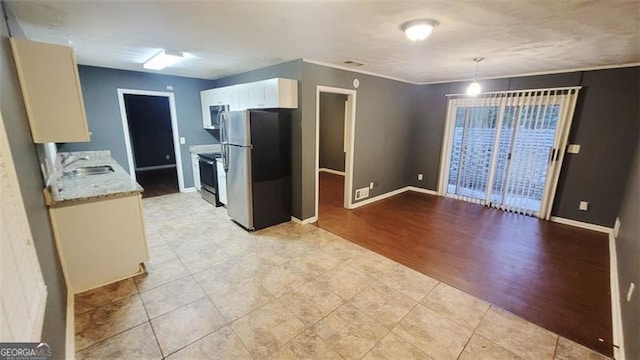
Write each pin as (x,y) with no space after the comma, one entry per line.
(504,149)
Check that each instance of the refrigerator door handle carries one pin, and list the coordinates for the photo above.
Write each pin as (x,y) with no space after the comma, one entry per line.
(223,140)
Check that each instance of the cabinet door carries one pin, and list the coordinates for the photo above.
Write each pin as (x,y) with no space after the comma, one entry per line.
(222,181)
(206,99)
(271,95)
(195,165)
(256,96)
(232,98)
(51,88)
(243,97)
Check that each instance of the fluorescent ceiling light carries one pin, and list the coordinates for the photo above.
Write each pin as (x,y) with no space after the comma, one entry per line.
(417,30)
(162,59)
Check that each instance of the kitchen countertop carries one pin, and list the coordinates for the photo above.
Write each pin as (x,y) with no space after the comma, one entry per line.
(208,148)
(70,190)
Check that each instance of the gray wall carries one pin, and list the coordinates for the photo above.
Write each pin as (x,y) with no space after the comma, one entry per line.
(628,250)
(332,153)
(288,70)
(605,125)
(384,116)
(31,184)
(99,90)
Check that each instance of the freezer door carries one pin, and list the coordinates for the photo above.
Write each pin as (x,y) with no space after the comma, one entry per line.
(239,189)
(237,130)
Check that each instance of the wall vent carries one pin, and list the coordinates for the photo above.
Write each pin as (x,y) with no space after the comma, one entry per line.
(362,193)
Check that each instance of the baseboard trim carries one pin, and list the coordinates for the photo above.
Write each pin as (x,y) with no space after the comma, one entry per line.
(70,331)
(421,190)
(616,311)
(189,189)
(310,220)
(580,224)
(379,197)
(341,173)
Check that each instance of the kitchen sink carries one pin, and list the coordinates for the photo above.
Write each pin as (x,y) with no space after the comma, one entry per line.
(89,170)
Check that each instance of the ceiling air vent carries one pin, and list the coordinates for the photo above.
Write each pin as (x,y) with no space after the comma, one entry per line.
(353,63)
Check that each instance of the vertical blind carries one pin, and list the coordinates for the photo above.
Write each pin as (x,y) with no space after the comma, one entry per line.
(504,149)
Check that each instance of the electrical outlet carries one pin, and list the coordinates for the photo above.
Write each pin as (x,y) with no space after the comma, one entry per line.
(632,286)
(584,205)
(183,140)
(573,149)
(362,193)
(616,228)
(420,177)
(371,185)
(169,87)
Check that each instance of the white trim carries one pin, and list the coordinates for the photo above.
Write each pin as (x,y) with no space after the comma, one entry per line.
(70,331)
(189,189)
(156,167)
(310,220)
(616,311)
(174,130)
(380,197)
(354,70)
(421,190)
(351,118)
(580,224)
(331,171)
(550,72)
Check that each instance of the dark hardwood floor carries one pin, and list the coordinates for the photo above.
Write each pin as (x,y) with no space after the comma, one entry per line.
(553,275)
(158,182)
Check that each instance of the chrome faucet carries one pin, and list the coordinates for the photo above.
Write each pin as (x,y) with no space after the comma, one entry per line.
(66,164)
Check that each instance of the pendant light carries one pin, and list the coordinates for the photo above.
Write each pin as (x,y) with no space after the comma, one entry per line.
(474,89)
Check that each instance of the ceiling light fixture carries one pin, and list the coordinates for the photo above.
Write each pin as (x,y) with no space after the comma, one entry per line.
(418,30)
(163,59)
(474,89)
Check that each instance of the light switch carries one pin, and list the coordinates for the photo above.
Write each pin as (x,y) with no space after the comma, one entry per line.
(169,87)
(183,140)
(573,149)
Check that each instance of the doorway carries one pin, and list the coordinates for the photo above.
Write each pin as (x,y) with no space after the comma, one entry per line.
(505,150)
(151,140)
(335,123)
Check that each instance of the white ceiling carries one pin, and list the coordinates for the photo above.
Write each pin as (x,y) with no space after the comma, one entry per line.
(222,38)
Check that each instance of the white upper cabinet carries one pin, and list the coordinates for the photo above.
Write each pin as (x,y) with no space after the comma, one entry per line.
(51,89)
(274,93)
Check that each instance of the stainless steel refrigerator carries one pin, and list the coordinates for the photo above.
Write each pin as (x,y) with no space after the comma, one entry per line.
(256,150)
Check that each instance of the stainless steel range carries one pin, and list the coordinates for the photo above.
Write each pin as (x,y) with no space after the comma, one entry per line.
(209,178)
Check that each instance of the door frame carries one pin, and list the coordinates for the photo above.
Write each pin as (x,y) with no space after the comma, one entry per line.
(174,130)
(349,137)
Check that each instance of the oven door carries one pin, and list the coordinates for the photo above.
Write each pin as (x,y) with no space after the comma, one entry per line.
(208,174)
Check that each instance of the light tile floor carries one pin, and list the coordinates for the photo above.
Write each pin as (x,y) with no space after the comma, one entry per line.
(290,291)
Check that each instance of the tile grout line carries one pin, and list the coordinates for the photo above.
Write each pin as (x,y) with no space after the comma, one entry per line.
(555,350)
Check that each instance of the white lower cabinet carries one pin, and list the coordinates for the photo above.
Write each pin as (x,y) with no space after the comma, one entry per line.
(195,166)
(100,242)
(222,181)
